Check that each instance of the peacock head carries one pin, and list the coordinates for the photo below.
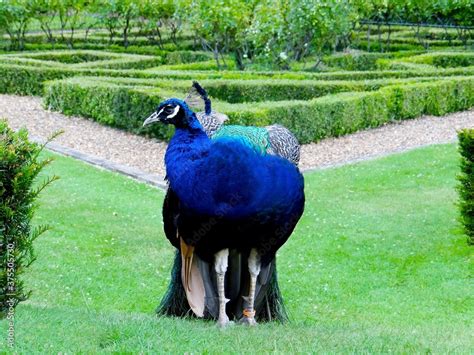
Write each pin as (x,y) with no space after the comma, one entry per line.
(172,111)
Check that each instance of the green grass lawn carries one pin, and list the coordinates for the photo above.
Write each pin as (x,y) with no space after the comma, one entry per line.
(377,264)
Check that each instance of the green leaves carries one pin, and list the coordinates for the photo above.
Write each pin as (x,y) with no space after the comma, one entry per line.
(15,16)
(292,30)
(466,182)
(219,25)
(19,168)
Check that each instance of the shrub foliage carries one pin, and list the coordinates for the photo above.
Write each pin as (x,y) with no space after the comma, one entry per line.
(466,182)
(19,168)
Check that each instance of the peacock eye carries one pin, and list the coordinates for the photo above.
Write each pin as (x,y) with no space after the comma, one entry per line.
(168,110)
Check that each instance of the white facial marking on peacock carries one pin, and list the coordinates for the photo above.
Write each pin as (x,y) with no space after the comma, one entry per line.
(175,112)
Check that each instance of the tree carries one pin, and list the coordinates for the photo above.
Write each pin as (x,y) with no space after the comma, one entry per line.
(153,15)
(267,32)
(45,11)
(128,13)
(119,14)
(219,25)
(316,26)
(15,15)
(456,12)
(89,18)
(418,12)
(109,17)
(286,30)
(386,11)
(70,14)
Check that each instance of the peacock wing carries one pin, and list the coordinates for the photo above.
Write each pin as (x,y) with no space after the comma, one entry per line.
(170,214)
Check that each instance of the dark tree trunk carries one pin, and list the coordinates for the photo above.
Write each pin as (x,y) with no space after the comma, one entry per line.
(239,59)
(380,37)
(216,56)
(125,31)
(388,37)
(111,34)
(368,38)
(160,39)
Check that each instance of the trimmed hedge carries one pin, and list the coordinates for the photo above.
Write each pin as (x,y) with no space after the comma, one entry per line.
(444,59)
(364,60)
(29,80)
(184,44)
(405,44)
(429,61)
(466,182)
(181,56)
(432,33)
(184,57)
(355,61)
(204,65)
(375,46)
(23,80)
(132,49)
(434,98)
(387,64)
(241,91)
(23,74)
(429,42)
(335,115)
(83,59)
(312,120)
(67,57)
(109,104)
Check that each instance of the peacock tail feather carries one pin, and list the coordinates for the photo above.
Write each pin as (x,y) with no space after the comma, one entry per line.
(274,308)
(174,302)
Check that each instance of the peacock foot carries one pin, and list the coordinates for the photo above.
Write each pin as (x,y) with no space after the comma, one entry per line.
(224,322)
(248,317)
(248,321)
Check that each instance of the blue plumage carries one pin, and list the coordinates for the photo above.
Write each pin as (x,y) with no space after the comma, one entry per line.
(226,195)
(226,180)
(225,176)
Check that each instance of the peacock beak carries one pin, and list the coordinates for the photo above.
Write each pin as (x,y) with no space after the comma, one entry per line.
(154,117)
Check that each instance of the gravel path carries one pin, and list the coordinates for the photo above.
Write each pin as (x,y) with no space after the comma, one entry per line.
(84,135)
(391,138)
(130,150)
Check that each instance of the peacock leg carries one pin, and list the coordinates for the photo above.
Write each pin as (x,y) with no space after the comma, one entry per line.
(221,263)
(254,269)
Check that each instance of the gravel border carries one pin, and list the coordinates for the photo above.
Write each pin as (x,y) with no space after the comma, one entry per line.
(83,135)
(132,172)
(391,138)
(142,158)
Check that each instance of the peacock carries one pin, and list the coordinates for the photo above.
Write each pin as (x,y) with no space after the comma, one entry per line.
(226,198)
(269,302)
